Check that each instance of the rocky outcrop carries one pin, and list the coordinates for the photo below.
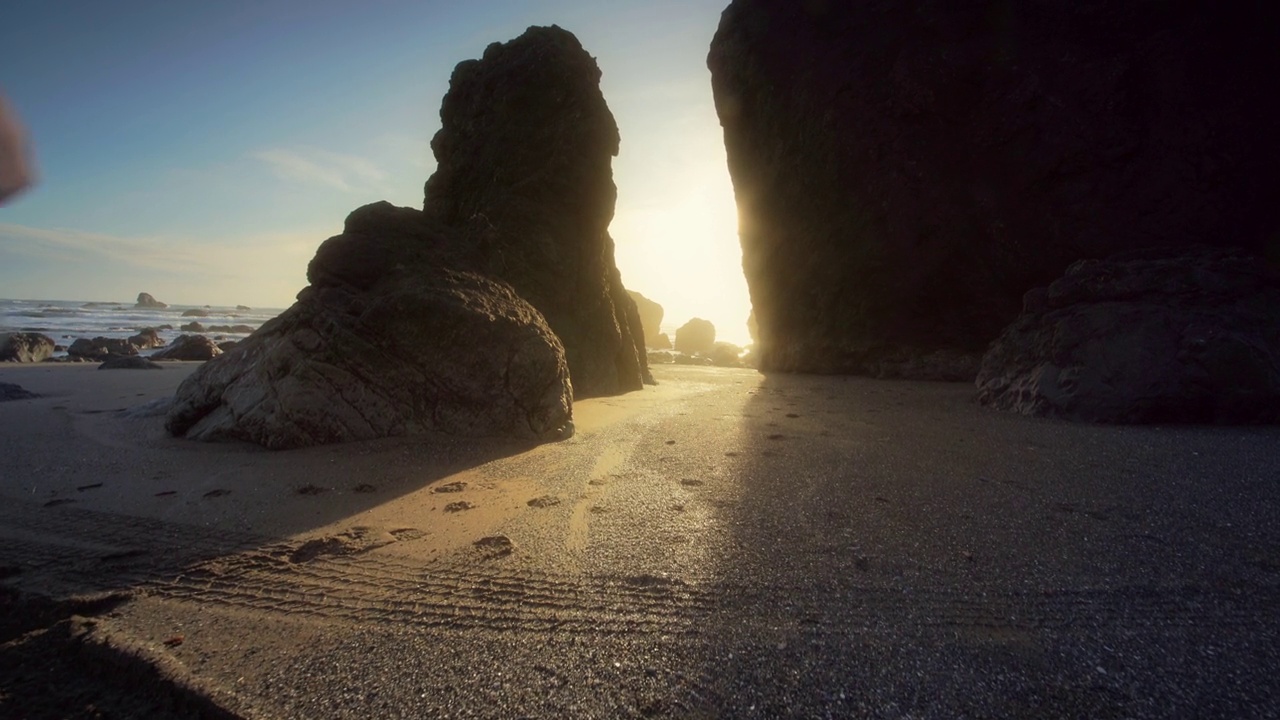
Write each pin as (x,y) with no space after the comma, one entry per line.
(25,347)
(193,326)
(650,319)
(662,342)
(695,337)
(1157,336)
(146,301)
(196,348)
(146,339)
(195,312)
(524,179)
(385,341)
(725,354)
(906,171)
(100,348)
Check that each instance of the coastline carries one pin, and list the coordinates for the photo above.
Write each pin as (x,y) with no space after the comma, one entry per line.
(726,540)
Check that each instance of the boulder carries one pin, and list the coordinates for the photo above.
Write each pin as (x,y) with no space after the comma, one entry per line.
(11,391)
(695,337)
(524,180)
(146,339)
(227,345)
(440,351)
(195,312)
(193,326)
(243,307)
(1171,335)
(660,357)
(650,319)
(906,171)
(662,342)
(146,301)
(131,362)
(189,347)
(100,348)
(725,354)
(26,347)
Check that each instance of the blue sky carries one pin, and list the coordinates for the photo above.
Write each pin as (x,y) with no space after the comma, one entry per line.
(202,151)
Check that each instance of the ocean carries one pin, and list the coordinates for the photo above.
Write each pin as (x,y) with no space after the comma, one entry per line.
(66,320)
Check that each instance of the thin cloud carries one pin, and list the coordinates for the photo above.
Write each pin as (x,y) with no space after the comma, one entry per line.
(313,166)
(76,245)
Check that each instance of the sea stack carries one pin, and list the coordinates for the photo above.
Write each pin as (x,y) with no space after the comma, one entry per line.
(524,176)
(486,313)
(906,171)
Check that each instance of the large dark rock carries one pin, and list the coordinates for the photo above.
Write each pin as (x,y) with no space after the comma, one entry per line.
(524,179)
(1157,336)
(25,347)
(906,171)
(146,301)
(189,347)
(100,348)
(695,337)
(650,319)
(130,362)
(385,342)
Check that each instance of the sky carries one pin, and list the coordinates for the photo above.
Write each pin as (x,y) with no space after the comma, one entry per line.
(201,152)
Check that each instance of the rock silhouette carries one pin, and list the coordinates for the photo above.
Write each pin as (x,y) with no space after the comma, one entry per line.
(467,317)
(651,320)
(905,172)
(697,336)
(145,300)
(524,178)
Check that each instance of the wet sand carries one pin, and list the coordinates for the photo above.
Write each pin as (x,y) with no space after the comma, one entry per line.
(724,545)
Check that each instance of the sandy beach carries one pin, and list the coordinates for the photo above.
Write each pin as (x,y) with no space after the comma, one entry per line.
(725,544)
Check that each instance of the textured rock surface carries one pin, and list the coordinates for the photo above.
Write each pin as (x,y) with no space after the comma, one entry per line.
(385,341)
(1145,337)
(695,337)
(145,300)
(651,320)
(189,347)
(906,171)
(524,178)
(25,347)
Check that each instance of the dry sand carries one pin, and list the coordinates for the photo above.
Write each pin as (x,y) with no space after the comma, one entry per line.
(726,544)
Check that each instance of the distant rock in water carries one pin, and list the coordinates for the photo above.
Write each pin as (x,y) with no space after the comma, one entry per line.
(195,312)
(387,340)
(1172,335)
(524,177)
(189,347)
(146,301)
(695,337)
(906,171)
(243,308)
(146,339)
(26,347)
(650,319)
(194,327)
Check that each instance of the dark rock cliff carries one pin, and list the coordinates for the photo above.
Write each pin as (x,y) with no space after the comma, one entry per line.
(905,171)
(524,176)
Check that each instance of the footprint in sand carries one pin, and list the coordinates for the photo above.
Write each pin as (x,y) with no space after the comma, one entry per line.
(452,487)
(217,493)
(364,488)
(691,482)
(58,501)
(311,490)
(545,501)
(495,546)
(458,506)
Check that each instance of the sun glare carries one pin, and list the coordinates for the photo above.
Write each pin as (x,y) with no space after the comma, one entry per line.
(681,250)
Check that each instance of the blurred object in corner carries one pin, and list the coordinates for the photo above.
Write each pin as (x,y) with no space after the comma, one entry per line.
(15,165)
